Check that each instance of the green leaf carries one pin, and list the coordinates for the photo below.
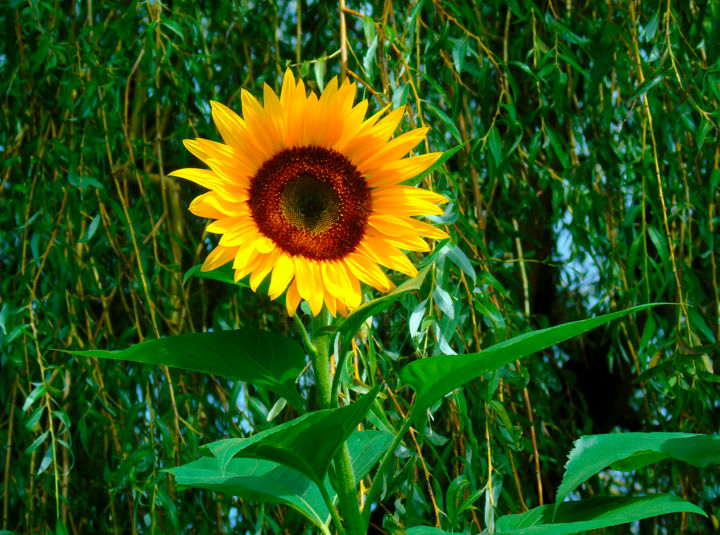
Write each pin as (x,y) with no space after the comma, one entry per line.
(595,513)
(495,145)
(257,480)
(647,85)
(174,27)
(447,121)
(352,323)
(221,274)
(267,481)
(306,444)
(259,357)
(366,448)
(46,460)
(631,451)
(432,378)
(92,228)
(38,391)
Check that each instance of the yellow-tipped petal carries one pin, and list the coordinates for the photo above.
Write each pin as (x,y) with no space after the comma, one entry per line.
(402,170)
(292,298)
(282,274)
(263,269)
(330,302)
(387,255)
(429,231)
(218,257)
(393,150)
(368,271)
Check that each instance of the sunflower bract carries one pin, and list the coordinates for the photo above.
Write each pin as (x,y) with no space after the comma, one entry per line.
(308,191)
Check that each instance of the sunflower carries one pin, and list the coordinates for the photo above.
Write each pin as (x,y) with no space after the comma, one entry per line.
(308,191)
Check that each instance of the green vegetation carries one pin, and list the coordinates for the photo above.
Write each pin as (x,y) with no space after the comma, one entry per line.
(584,182)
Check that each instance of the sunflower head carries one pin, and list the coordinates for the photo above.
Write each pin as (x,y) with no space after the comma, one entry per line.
(306,190)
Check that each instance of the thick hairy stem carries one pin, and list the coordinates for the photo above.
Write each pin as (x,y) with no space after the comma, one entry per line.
(344,481)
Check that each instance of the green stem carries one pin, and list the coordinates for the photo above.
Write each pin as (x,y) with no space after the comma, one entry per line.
(331,507)
(344,482)
(377,480)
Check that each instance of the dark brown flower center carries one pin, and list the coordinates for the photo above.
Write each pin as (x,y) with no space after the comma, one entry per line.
(311,201)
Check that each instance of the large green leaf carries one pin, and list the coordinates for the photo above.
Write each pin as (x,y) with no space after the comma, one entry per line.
(306,444)
(258,357)
(366,448)
(267,481)
(594,513)
(434,377)
(257,480)
(631,451)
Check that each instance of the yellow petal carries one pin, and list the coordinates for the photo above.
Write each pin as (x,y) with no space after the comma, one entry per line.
(409,242)
(292,298)
(203,177)
(429,231)
(393,150)
(263,269)
(368,271)
(259,127)
(406,201)
(307,275)
(384,129)
(221,226)
(342,309)
(282,274)
(252,261)
(210,204)
(330,302)
(402,170)
(387,255)
(218,257)
(241,234)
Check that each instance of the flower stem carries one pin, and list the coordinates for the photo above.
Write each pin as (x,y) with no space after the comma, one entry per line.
(344,481)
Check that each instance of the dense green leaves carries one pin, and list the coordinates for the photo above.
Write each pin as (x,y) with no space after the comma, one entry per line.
(435,377)
(259,357)
(586,182)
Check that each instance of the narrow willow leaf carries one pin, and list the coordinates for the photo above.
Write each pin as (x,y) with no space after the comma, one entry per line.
(306,444)
(352,323)
(594,513)
(434,377)
(632,451)
(262,358)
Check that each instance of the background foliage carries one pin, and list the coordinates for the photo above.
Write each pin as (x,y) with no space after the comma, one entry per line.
(588,183)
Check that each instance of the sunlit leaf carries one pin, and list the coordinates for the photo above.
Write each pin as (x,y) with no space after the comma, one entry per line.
(432,378)
(260,357)
(632,451)
(594,513)
(306,444)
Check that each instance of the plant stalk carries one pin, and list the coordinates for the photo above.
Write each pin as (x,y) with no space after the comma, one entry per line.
(344,481)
